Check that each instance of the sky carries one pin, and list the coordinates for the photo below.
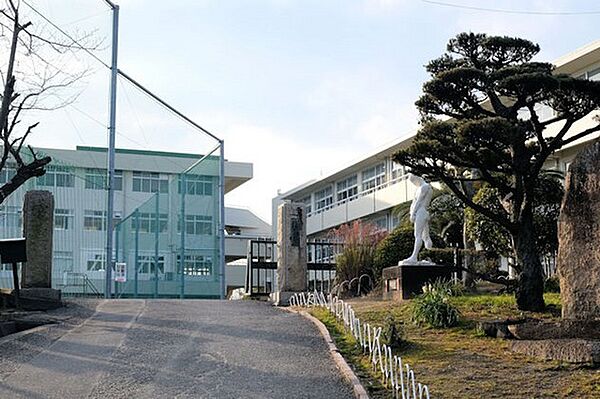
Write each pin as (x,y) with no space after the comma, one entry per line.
(298,88)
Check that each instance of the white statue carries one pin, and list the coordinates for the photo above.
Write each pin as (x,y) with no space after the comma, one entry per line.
(419,215)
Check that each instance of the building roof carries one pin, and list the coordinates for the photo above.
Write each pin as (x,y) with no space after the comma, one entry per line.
(236,173)
(244,218)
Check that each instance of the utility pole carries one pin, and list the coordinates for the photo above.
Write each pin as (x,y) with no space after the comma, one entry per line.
(111,149)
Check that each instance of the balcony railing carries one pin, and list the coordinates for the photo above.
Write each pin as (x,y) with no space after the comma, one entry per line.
(386,184)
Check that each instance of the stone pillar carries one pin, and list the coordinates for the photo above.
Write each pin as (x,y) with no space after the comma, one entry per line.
(291,251)
(38,226)
(578,262)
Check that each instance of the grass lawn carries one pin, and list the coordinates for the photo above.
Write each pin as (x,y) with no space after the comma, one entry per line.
(461,363)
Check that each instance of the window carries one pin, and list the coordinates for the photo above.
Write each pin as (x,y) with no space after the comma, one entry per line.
(197,225)
(397,170)
(323,198)
(594,74)
(62,261)
(8,172)
(147,222)
(146,264)
(381,223)
(10,217)
(149,182)
(307,201)
(94,220)
(197,185)
(63,219)
(395,221)
(373,177)
(195,265)
(347,189)
(57,176)
(96,179)
(96,262)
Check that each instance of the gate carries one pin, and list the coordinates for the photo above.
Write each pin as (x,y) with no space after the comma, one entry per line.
(261,269)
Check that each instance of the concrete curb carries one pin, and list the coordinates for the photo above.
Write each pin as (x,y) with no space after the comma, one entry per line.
(359,390)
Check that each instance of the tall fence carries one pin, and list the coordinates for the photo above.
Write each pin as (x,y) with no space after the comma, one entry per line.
(167,224)
(395,374)
(171,243)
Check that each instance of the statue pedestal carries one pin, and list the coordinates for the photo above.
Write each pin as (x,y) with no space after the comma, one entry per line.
(407,280)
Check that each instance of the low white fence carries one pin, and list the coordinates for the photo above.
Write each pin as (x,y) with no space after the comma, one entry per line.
(396,375)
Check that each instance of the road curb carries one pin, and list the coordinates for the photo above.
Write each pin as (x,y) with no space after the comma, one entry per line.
(359,390)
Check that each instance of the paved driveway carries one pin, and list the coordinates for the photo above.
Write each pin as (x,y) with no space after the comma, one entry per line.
(183,349)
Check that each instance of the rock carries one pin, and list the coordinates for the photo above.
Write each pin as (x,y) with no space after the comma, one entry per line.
(568,350)
(237,294)
(578,262)
(38,226)
(539,329)
(498,328)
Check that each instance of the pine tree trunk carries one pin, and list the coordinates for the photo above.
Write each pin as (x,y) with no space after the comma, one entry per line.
(530,290)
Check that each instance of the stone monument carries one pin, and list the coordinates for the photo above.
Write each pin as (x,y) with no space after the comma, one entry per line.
(410,275)
(578,262)
(38,227)
(291,252)
(576,338)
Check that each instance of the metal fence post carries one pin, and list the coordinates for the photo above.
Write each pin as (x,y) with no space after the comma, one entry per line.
(156,238)
(136,252)
(182,189)
(117,231)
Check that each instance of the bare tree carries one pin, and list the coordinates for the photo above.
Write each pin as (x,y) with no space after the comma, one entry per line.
(37,66)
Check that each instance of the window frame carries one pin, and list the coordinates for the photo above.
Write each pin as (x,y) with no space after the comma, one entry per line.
(324,202)
(347,189)
(66,215)
(94,215)
(149,182)
(375,179)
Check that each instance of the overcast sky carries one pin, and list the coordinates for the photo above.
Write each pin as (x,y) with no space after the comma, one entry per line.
(298,88)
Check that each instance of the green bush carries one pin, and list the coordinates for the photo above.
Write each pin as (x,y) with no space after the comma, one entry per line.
(433,308)
(441,256)
(393,332)
(398,245)
(551,284)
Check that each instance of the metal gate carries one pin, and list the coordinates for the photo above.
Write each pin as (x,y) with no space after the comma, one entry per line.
(261,269)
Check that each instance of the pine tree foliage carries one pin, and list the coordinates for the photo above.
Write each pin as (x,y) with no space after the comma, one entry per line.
(481,123)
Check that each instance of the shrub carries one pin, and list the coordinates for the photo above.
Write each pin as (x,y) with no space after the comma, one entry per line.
(433,308)
(393,332)
(360,240)
(551,284)
(441,256)
(398,245)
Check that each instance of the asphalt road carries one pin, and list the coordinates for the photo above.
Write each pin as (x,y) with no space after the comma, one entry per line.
(182,349)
